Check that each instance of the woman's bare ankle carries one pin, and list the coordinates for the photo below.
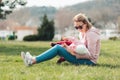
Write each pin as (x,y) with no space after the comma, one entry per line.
(33,61)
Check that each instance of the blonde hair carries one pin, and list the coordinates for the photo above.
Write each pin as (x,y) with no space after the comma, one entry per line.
(82,17)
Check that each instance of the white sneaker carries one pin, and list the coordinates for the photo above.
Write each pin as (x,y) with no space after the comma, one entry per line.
(23,55)
(28,58)
(29,55)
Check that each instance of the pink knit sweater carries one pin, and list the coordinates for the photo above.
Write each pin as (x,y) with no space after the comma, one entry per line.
(92,41)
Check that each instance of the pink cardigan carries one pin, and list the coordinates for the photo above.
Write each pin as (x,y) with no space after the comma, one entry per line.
(92,41)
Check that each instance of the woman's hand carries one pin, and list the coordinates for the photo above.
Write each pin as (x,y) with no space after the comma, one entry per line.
(68,49)
(64,45)
(71,51)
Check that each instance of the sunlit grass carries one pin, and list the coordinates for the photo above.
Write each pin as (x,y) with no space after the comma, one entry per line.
(12,67)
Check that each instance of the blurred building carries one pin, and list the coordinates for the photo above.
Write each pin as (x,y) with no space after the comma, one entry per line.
(20,32)
(107,33)
(110,30)
(23,31)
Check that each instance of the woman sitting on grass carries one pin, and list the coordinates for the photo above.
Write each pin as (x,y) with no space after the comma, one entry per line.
(89,37)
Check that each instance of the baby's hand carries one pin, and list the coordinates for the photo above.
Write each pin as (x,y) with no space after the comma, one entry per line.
(52,44)
(64,45)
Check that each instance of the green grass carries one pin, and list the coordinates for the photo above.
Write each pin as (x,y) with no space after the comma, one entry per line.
(12,67)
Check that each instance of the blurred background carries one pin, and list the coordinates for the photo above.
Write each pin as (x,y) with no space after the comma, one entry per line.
(28,19)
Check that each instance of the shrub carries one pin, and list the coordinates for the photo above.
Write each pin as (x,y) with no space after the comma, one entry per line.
(12,37)
(31,38)
(113,38)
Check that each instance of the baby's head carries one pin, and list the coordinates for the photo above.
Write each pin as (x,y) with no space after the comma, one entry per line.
(64,38)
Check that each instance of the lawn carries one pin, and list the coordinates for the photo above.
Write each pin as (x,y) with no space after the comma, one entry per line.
(12,67)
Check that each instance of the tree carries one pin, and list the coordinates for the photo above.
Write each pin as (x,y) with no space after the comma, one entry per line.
(11,4)
(46,31)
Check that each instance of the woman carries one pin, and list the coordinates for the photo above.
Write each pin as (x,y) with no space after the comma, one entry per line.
(89,36)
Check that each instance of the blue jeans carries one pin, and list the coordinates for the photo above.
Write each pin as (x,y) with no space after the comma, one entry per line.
(59,50)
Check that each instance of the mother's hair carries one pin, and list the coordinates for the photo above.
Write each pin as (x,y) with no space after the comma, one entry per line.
(82,17)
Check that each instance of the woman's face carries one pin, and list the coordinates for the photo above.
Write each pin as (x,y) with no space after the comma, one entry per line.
(79,25)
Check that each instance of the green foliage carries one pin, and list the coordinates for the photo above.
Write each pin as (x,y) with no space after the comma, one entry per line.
(13,68)
(46,31)
(12,37)
(31,38)
(11,4)
(113,38)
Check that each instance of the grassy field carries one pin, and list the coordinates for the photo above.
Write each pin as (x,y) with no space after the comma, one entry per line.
(12,67)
